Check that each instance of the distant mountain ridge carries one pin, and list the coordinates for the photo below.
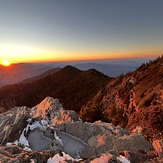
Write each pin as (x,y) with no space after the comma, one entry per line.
(22,71)
(18,72)
(110,67)
(111,70)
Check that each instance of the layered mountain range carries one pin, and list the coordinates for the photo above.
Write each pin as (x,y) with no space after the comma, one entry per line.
(20,71)
(133,101)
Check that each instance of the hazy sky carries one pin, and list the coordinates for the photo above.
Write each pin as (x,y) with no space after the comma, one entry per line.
(80,29)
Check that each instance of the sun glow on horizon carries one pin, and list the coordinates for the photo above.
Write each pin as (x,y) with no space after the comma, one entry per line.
(6,63)
(10,53)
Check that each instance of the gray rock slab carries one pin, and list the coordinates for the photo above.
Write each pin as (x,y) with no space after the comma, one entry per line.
(71,144)
(37,141)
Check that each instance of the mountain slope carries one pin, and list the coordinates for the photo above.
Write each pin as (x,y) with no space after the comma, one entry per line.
(133,100)
(72,86)
(82,89)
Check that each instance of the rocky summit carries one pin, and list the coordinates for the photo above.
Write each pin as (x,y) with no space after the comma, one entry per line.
(48,133)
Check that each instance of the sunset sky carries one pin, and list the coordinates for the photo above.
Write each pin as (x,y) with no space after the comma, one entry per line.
(54,30)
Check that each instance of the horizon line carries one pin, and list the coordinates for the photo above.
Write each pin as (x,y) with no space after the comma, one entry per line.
(81,60)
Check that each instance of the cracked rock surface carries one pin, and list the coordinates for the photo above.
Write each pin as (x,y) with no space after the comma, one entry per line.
(47,131)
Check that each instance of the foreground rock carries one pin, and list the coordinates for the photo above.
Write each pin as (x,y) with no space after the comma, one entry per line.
(47,133)
(103,137)
(15,154)
(12,122)
(52,111)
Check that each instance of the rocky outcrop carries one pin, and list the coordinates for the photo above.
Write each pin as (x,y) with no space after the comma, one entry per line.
(12,122)
(103,137)
(134,143)
(46,132)
(52,111)
(15,120)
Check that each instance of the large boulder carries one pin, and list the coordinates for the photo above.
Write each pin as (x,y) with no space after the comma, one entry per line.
(134,143)
(92,129)
(103,137)
(51,110)
(12,123)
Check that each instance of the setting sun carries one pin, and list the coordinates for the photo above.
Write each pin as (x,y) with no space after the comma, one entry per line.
(6,63)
